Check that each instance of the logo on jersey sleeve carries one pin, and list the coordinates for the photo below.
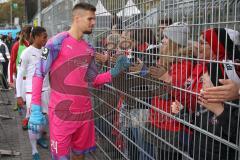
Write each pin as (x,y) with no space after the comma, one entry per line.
(45,53)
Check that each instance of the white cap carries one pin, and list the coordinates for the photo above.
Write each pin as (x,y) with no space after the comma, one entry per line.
(178,33)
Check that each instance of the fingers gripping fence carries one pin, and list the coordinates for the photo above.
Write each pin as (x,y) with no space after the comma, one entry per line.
(178,49)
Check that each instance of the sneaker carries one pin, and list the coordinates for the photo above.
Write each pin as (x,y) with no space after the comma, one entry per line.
(25,124)
(42,142)
(36,156)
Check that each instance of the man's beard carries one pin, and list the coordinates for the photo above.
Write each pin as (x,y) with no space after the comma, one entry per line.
(87,32)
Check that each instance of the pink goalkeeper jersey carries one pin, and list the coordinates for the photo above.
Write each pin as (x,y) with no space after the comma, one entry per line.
(72,70)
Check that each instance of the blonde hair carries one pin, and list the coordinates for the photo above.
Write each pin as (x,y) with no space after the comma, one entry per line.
(171,51)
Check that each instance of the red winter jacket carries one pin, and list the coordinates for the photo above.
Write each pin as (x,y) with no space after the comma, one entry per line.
(186,77)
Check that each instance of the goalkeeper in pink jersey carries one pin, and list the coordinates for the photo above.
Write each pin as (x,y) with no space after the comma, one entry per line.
(69,60)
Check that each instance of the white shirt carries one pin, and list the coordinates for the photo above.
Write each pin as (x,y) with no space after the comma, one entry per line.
(7,52)
(28,60)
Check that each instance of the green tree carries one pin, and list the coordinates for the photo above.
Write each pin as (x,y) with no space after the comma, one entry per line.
(18,11)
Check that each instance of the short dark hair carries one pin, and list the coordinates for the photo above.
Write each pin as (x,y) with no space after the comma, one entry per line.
(84,6)
(27,29)
(36,31)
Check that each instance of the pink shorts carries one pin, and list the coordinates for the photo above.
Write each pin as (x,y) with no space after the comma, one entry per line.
(66,136)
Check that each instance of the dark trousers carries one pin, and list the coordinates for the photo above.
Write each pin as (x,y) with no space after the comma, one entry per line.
(5,74)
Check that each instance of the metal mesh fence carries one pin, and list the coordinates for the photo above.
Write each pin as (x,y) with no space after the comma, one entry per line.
(177,49)
(57,17)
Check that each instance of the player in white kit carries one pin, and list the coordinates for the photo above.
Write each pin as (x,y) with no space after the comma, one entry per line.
(29,58)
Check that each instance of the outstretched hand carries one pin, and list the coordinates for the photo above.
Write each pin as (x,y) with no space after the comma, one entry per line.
(227,92)
(176,107)
(216,106)
(157,72)
(137,67)
(101,58)
(122,64)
